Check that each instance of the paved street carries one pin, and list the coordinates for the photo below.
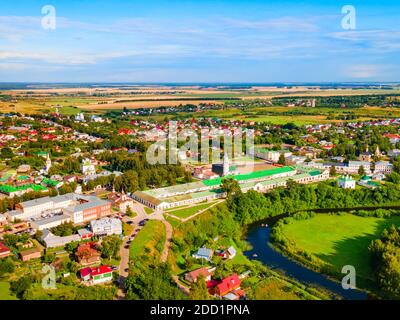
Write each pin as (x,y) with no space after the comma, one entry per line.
(124,251)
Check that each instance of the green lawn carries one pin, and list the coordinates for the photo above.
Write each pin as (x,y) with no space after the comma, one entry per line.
(149,241)
(189,211)
(339,239)
(148,210)
(174,222)
(5,291)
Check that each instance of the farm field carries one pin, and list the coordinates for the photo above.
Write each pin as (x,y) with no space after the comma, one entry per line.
(98,100)
(339,239)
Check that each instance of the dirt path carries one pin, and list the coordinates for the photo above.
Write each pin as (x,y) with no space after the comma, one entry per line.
(168,239)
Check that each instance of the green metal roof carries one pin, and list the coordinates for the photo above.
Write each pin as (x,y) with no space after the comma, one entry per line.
(9,189)
(50,182)
(249,176)
(314,173)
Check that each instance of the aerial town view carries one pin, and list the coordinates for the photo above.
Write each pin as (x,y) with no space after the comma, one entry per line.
(199,150)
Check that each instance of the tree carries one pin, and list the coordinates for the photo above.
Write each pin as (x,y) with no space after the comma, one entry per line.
(385,257)
(129,212)
(49,258)
(198,289)
(6,266)
(231,187)
(332,171)
(361,171)
(10,240)
(64,229)
(282,159)
(20,286)
(6,153)
(110,247)
(153,283)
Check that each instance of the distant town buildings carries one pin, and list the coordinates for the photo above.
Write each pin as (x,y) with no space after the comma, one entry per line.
(88,168)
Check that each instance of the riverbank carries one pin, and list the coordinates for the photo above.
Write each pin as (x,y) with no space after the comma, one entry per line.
(258,237)
(327,242)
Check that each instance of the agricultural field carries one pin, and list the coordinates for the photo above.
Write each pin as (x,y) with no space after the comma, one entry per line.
(339,240)
(99,100)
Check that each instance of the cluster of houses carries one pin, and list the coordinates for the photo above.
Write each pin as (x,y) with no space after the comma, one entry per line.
(226,288)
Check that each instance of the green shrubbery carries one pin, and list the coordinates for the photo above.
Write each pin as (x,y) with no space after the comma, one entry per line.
(386,261)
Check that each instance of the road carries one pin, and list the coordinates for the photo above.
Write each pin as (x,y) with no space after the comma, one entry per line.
(124,251)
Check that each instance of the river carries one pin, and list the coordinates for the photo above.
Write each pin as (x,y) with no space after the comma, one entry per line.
(258,236)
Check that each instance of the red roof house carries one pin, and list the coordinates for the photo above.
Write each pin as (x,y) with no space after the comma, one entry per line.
(97,275)
(49,137)
(193,275)
(227,285)
(4,250)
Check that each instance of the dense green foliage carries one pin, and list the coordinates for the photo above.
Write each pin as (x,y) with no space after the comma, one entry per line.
(386,261)
(153,283)
(110,247)
(253,206)
(6,266)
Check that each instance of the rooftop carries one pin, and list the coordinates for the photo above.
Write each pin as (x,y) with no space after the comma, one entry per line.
(250,176)
(10,189)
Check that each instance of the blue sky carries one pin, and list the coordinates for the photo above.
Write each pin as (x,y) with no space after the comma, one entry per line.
(199,41)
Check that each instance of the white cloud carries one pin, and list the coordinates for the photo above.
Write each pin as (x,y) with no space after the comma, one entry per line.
(379,40)
(363,71)
(281,24)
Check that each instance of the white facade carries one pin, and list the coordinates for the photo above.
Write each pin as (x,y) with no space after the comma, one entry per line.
(347,183)
(88,168)
(271,155)
(106,226)
(383,167)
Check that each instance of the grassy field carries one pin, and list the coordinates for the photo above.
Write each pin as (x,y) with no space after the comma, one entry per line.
(339,239)
(149,241)
(5,291)
(189,211)
(274,288)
